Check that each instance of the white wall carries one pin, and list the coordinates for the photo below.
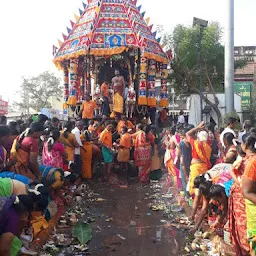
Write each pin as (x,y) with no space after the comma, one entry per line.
(194,106)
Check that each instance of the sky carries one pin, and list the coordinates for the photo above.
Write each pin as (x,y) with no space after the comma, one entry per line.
(29,28)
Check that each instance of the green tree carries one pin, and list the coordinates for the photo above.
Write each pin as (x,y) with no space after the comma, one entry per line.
(36,91)
(184,41)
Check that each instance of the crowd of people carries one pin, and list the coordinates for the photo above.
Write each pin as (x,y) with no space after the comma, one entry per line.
(40,159)
(214,169)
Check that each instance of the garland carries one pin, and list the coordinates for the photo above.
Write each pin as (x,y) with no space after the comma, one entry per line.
(151,83)
(142,100)
(163,93)
(66,85)
(73,82)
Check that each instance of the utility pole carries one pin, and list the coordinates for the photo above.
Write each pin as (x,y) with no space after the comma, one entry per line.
(229,57)
(202,24)
(201,71)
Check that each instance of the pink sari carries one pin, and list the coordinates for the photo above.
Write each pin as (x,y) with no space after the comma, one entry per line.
(54,157)
(176,162)
(142,156)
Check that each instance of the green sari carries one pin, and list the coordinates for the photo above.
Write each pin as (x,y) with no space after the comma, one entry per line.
(251,225)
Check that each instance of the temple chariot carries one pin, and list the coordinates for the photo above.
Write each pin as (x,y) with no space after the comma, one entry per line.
(109,35)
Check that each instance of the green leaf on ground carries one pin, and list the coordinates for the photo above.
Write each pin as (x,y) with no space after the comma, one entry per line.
(83,232)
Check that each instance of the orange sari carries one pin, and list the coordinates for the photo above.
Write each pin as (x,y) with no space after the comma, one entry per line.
(22,157)
(200,151)
(142,156)
(170,161)
(237,215)
(69,144)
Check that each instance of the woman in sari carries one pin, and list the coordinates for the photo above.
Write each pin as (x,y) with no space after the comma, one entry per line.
(68,139)
(86,156)
(13,126)
(53,158)
(213,142)
(201,154)
(14,215)
(25,152)
(249,189)
(219,174)
(54,152)
(236,211)
(171,158)
(139,128)
(143,154)
(229,154)
(218,209)
(215,203)
(156,163)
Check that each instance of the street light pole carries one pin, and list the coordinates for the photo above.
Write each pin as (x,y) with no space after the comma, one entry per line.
(229,58)
(201,71)
(202,24)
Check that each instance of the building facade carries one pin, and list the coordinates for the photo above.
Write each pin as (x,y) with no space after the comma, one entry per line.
(245,79)
(248,72)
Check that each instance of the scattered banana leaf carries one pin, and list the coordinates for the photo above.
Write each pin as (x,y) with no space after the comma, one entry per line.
(83,232)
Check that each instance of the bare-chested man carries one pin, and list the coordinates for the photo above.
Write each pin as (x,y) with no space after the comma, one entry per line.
(118,85)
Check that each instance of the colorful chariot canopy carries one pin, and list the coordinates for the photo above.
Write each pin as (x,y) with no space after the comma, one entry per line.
(108,27)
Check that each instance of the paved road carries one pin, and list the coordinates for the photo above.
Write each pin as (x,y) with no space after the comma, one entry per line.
(131,228)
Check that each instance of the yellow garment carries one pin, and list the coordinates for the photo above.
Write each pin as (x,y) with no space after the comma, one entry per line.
(169,163)
(59,181)
(112,115)
(38,223)
(118,104)
(171,168)
(86,158)
(196,169)
(70,144)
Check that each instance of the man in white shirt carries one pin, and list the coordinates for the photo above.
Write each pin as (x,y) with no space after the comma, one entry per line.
(181,118)
(232,121)
(77,132)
